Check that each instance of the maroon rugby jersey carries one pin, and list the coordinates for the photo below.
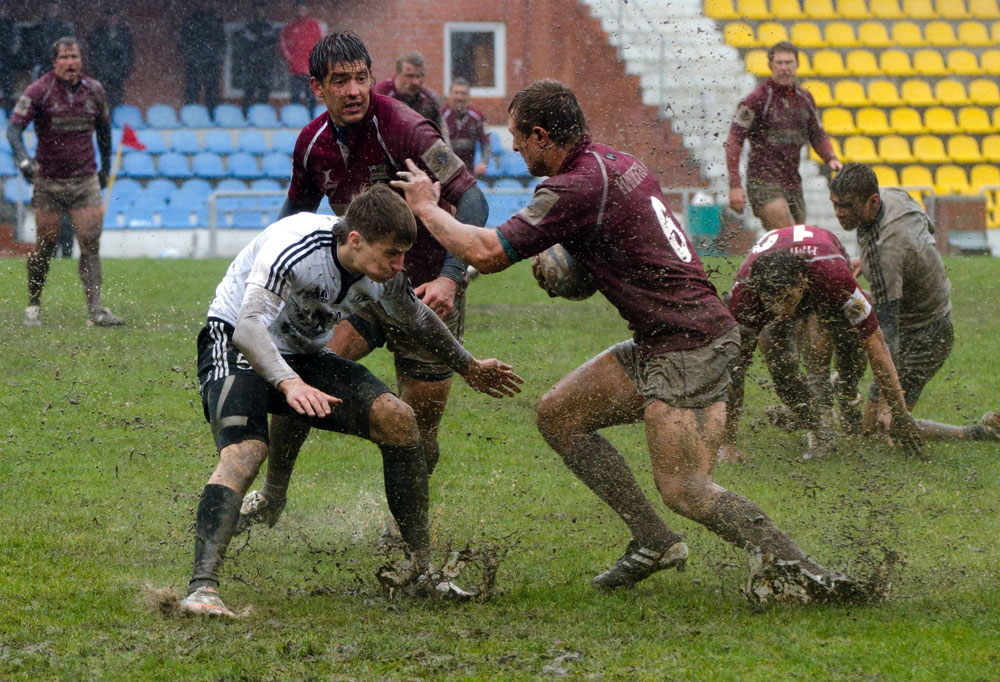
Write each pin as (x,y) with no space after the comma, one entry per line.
(606,208)
(425,103)
(464,131)
(832,290)
(376,149)
(777,120)
(65,119)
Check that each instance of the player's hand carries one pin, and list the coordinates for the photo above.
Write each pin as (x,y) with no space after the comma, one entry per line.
(856,266)
(479,170)
(102,178)
(536,270)
(906,434)
(492,377)
(438,295)
(417,186)
(28,168)
(728,452)
(307,400)
(737,199)
(835,165)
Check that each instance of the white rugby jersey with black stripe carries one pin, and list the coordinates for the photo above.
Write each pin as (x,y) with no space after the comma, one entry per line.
(296,259)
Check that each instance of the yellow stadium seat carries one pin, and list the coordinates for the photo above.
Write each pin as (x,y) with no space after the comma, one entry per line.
(836,151)
(720,10)
(919,9)
(786,10)
(757,63)
(984,92)
(917,93)
(975,121)
(940,33)
(983,175)
(771,32)
(950,93)
(995,31)
(819,9)
(950,179)
(906,121)
(849,94)
(873,34)
(916,176)
(964,149)
(862,63)
(805,69)
(882,93)
(752,9)
(895,63)
(929,149)
(840,34)
(886,175)
(828,63)
(894,149)
(951,9)
(929,63)
(739,35)
(838,121)
(886,9)
(989,61)
(806,34)
(820,90)
(963,63)
(861,149)
(984,9)
(853,9)
(991,148)
(872,121)
(974,34)
(940,121)
(907,34)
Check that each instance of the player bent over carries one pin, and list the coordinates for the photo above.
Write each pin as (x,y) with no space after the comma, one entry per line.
(263,350)
(606,209)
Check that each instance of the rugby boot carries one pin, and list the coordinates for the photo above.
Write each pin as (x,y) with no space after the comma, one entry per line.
(641,560)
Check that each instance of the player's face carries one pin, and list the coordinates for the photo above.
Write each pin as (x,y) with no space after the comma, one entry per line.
(379,261)
(68,64)
(853,212)
(409,81)
(783,303)
(530,149)
(345,91)
(784,65)
(460,99)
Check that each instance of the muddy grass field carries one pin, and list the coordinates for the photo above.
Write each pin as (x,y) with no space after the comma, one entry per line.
(104,451)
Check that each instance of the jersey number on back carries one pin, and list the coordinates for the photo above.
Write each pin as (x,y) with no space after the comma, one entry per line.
(673,233)
(799,234)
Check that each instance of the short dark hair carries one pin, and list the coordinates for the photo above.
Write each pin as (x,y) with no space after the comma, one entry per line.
(783,46)
(550,105)
(379,214)
(337,48)
(459,81)
(855,180)
(775,271)
(68,41)
(410,57)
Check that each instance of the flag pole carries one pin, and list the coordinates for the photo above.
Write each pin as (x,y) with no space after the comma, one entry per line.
(111,178)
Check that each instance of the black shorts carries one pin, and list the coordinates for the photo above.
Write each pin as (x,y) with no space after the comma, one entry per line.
(237,400)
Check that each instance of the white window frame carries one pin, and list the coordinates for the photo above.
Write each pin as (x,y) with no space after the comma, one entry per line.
(499,31)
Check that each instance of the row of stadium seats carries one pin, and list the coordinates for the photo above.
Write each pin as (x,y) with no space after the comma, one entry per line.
(840,34)
(724,10)
(912,92)
(928,149)
(891,62)
(165,117)
(946,179)
(907,121)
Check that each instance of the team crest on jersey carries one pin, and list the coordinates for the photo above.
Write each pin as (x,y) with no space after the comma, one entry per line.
(89,106)
(744,116)
(610,157)
(329,184)
(857,309)
(360,298)
(378,173)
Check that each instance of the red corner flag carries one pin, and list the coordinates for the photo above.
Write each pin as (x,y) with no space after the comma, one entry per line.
(130,139)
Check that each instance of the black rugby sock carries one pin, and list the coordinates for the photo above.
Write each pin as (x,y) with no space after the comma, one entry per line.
(218,510)
(405,474)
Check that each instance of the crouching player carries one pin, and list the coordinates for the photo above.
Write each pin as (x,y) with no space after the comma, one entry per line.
(263,350)
(606,209)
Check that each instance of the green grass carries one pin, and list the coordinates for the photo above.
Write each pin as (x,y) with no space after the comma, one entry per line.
(104,452)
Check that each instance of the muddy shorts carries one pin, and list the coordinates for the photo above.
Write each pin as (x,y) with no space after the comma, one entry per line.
(59,195)
(921,354)
(761,194)
(693,378)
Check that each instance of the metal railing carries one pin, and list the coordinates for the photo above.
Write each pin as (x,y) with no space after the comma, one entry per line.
(213,211)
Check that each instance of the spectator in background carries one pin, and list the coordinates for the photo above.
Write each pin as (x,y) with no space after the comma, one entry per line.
(408,87)
(112,55)
(297,40)
(254,52)
(10,55)
(465,125)
(202,43)
(47,31)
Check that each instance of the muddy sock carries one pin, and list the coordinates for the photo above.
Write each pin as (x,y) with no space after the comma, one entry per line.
(217,513)
(432,452)
(405,474)
(91,276)
(978,432)
(38,270)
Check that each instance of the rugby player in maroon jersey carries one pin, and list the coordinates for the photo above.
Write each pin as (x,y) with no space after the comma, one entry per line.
(466,125)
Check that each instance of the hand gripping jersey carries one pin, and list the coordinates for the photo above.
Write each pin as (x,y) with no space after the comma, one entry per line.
(832,290)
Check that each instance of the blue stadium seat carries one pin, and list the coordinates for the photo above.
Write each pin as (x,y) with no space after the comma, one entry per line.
(181,216)
(7,167)
(137,165)
(512,165)
(162,116)
(160,187)
(145,215)
(218,141)
(125,190)
(295,116)
(185,142)
(266,185)
(15,189)
(262,116)
(192,192)
(31,143)
(229,116)
(231,185)
(243,165)
(493,168)
(127,113)
(283,141)
(532,182)
(318,109)
(114,216)
(3,119)
(508,183)
(276,165)
(207,165)
(503,206)
(174,165)
(252,142)
(4,144)
(153,139)
(196,116)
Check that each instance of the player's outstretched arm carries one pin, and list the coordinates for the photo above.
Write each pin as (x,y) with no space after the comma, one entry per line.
(492,377)
(904,429)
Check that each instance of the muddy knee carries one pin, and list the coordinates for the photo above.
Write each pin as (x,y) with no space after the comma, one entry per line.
(392,422)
